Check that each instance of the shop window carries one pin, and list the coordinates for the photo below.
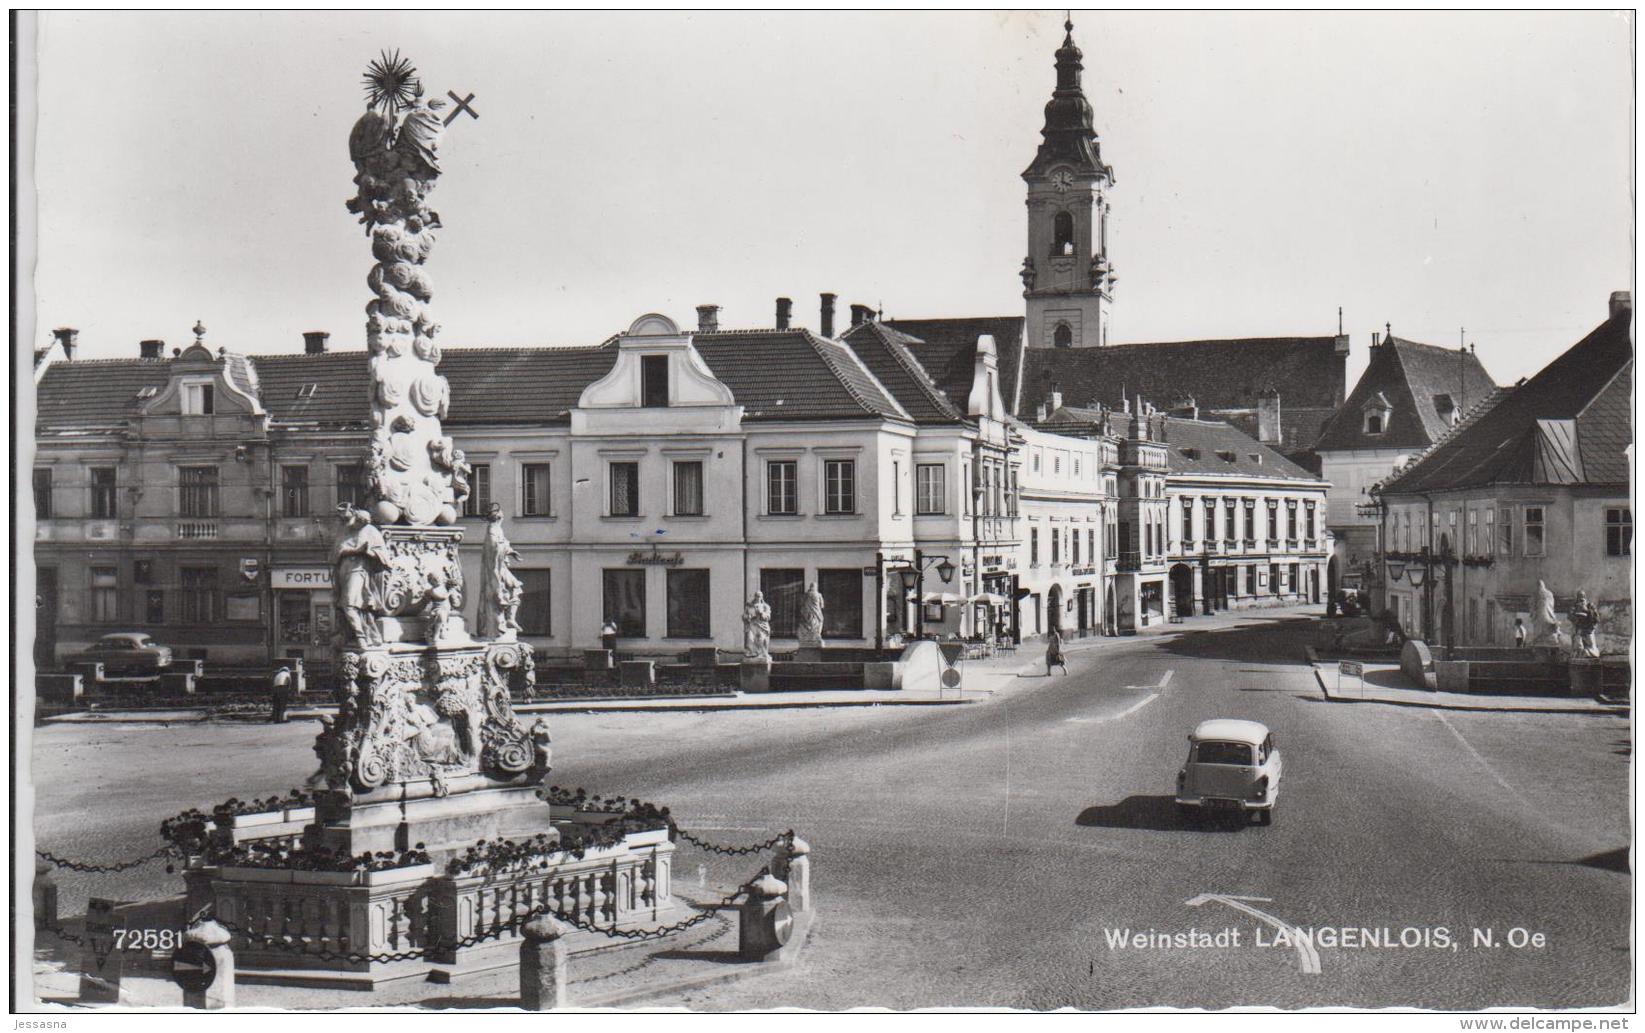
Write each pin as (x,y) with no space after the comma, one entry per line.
(842,602)
(624,600)
(783,589)
(688,603)
(294,616)
(534,602)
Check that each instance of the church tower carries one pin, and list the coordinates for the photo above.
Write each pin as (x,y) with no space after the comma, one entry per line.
(1067,278)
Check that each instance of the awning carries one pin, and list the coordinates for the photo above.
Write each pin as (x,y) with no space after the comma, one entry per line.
(945,598)
(991,598)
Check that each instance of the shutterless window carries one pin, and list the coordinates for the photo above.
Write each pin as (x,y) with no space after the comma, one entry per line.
(688,603)
(105,594)
(199,399)
(840,478)
(1056,545)
(534,489)
(154,606)
(199,594)
(1228,521)
(1619,532)
(625,489)
(896,487)
(1033,546)
(479,491)
(624,600)
(104,499)
(351,484)
(931,489)
(197,495)
(654,381)
(782,487)
(42,493)
(688,488)
(294,491)
(1187,521)
(1074,545)
(534,602)
(1535,544)
(1505,532)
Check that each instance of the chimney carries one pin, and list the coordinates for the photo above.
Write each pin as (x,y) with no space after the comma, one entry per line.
(1039,413)
(1376,339)
(151,349)
(826,323)
(1622,304)
(314,342)
(861,314)
(1268,429)
(708,318)
(785,307)
(69,338)
(1055,401)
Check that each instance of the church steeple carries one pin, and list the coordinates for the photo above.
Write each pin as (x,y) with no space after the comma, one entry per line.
(1067,278)
(1069,135)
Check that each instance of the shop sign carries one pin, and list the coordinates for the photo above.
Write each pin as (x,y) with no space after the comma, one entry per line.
(1083,571)
(655,559)
(249,568)
(302,577)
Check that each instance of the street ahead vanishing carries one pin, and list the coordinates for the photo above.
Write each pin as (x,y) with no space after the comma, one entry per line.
(1026,852)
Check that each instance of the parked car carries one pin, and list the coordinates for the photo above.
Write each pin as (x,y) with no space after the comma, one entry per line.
(1233,767)
(125,652)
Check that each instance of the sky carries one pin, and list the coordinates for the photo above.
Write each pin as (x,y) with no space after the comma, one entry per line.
(1429,171)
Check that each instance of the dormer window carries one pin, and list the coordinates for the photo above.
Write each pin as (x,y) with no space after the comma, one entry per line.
(1447,410)
(198,398)
(654,381)
(1062,234)
(1373,423)
(1377,411)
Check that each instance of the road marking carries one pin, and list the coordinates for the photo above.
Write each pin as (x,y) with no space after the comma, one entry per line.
(1307,956)
(1476,755)
(1127,712)
(1163,682)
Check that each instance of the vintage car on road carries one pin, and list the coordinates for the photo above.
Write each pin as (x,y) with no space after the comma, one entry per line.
(125,652)
(1233,767)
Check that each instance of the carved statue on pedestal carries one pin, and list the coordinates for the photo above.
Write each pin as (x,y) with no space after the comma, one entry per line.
(1585,625)
(358,560)
(1544,623)
(500,590)
(757,628)
(811,618)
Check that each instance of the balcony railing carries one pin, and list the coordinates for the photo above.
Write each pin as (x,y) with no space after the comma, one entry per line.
(194,529)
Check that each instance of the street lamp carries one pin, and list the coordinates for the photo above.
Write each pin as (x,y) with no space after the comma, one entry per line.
(912,574)
(1396,569)
(1418,574)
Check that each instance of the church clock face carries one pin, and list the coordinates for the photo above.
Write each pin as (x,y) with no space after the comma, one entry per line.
(1062,179)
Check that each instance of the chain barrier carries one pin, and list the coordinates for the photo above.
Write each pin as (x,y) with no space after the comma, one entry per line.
(651,958)
(81,866)
(735,851)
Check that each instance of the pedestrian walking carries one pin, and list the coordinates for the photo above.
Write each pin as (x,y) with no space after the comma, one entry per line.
(1519,633)
(1053,652)
(608,637)
(282,696)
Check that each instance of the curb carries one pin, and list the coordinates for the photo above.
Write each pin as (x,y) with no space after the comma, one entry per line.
(1419,705)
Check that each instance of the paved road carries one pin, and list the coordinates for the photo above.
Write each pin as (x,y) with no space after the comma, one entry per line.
(979,855)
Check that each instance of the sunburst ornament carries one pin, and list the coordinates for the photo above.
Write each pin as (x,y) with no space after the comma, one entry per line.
(391,82)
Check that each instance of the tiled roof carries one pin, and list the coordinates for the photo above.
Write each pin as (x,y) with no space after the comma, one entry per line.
(774,374)
(1510,441)
(888,355)
(1411,378)
(947,348)
(1217,448)
(1299,428)
(794,375)
(1309,373)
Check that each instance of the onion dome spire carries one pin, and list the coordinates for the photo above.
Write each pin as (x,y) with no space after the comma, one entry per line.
(1069,136)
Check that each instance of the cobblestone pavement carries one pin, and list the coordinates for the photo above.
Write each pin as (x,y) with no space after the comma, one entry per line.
(983,855)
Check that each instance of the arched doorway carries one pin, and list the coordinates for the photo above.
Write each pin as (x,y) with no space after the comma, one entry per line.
(1053,607)
(1182,590)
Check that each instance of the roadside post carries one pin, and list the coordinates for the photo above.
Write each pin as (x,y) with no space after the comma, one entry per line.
(765,919)
(204,968)
(542,964)
(1353,668)
(102,962)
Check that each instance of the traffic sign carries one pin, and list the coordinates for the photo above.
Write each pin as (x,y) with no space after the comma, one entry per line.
(951,678)
(1353,667)
(193,968)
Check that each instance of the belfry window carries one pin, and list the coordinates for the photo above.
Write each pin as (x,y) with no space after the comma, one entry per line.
(1063,337)
(1062,234)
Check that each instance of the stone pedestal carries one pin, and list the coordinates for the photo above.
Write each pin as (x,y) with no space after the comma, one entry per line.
(401,816)
(599,660)
(220,994)
(542,965)
(755,675)
(764,919)
(808,655)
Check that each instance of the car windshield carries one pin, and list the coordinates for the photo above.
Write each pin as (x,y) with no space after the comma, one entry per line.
(1223,753)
